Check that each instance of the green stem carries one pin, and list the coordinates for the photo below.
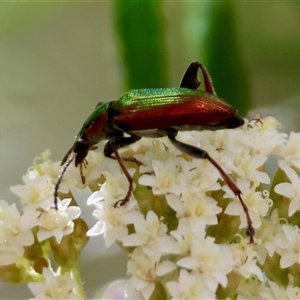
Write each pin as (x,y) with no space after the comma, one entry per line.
(77,277)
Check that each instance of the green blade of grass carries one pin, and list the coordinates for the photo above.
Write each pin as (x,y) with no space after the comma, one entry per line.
(223,57)
(141,32)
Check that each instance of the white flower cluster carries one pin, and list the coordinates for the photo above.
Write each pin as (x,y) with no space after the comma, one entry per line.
(183,227)
(26,239)
(37,199)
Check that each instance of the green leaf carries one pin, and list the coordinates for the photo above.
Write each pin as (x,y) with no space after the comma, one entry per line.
(141,32)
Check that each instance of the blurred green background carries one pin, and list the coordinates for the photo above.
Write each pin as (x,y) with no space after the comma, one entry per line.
(58,59)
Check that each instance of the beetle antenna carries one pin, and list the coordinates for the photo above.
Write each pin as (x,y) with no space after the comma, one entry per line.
(61,175)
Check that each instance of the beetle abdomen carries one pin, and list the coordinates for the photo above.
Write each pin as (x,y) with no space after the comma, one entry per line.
(185,109)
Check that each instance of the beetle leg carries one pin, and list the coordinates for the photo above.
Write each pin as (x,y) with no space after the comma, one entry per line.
(190,78)
(121,142)
(118,142)
(200,153)
(112,147)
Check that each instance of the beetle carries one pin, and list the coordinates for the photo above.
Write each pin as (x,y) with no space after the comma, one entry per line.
(155,113)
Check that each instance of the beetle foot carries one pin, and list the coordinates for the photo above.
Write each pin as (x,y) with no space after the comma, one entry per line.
(250,232)
(126,199)
(121,202)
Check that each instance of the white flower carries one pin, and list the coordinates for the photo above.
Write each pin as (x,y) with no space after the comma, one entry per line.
(40,180)
(275,291)
(44,165)
(38,190)
(194,174)
(189,286)
(145,271)
(157,149)
(261,136)
(257,202)
(288,243)
(244,257)
(290,190)
(165,178)
(55,286)
(115,186)
(151,235)
(113,221)
(214,261)
(290,152)
(251,289)
(247,167)
(188,231)
(194,202)
(59,222)
(15,232)
(265,237)
(293,292)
